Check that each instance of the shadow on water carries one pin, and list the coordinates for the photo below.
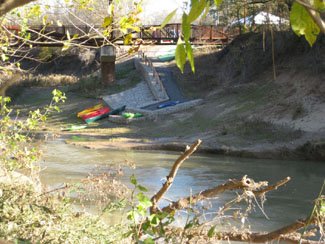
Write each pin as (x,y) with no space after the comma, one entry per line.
(67,163)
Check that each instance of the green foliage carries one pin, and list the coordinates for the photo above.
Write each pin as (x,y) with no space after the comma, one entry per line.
(26,215)
(142,222)
(168,18)
(319,5)
(47,53)
(180,55)
(15,134)
(301,21)
(217,2)
(303,24)
(197,8)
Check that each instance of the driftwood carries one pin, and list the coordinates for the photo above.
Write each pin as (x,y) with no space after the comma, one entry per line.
(244,184)
(258,189)
(281,234)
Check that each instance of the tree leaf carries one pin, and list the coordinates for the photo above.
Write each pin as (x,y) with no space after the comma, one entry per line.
(108,20)
(111,9)
(149,240)
(44,20)
(180,55)
(206,11)
(303,24)
(211,231)
(190,56)
(142,188)
(35,11)
(217,2)
(197,8)
(144,201)
(68,35)
(320,5)
(66,46)
(128,39)
(168,18)
(186,27)
(4,57)
(133,180)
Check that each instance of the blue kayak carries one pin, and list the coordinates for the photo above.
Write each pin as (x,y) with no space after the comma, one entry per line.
(168,104)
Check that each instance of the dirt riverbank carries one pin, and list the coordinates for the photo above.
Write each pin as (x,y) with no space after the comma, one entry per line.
(246,112)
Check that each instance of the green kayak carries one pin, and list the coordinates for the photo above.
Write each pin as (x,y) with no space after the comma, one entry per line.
(132,115)
(117,111)
(167,57)
(74,127)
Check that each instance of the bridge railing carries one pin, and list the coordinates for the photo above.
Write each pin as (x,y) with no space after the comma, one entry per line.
(170,33)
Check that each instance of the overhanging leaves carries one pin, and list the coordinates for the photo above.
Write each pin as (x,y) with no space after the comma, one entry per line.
(190,56)
(303,24)
(107,21)
(186,27)
(197,8)
(217,2)
(180,55)
(168,18)
(319,5)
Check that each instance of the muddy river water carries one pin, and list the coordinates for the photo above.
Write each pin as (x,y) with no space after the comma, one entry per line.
(67,163)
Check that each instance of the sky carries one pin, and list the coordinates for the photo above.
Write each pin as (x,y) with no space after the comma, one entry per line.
(156,10)
(162,5)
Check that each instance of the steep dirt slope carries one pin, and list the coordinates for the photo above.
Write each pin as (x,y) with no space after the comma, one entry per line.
(249,57)
(246,108)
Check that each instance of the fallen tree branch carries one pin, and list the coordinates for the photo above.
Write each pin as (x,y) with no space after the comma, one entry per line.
(257,193)
(243,184)
(272,187)
(250,187)
(170,178)
(286,233)
(277,234)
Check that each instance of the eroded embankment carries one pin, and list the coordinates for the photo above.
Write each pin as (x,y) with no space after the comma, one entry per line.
(246,112)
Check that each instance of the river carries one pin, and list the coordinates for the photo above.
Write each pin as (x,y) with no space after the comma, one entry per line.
(68,163)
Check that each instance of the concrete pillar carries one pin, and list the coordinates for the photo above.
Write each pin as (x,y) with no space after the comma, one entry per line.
(107,63)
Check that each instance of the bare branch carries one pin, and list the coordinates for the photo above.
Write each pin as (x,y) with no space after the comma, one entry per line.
(244,184)
(170,178)
(272,187)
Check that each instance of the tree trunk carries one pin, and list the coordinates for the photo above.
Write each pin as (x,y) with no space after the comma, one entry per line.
(7,5)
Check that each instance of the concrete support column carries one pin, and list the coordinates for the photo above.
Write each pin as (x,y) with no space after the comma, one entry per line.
(107,63)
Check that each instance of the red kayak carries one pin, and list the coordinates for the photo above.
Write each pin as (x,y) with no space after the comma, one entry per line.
(101,111)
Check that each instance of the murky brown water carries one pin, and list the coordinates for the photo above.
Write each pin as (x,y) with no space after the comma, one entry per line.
(66,163)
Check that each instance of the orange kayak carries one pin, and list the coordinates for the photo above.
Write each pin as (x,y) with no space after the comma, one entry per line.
(90,110)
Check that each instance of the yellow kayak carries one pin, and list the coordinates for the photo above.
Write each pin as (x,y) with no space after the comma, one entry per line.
(90,110)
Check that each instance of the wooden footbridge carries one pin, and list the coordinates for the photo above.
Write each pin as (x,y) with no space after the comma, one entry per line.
(91,35)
